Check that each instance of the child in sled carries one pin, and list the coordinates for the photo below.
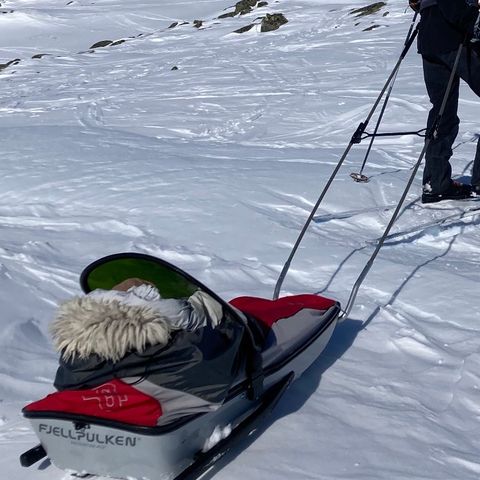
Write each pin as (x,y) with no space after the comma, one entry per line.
(131,316)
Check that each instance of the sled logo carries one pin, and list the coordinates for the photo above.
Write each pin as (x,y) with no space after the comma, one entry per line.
(107,397)
(85,437)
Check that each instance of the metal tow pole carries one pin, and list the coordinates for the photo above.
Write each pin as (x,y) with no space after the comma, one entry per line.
(356,138)
(430,136)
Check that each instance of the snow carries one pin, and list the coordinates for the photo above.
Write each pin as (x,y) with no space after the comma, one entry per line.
(218,434)
(215,167)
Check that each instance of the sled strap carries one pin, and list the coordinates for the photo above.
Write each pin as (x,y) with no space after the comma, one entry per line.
(255,385)
(254,363)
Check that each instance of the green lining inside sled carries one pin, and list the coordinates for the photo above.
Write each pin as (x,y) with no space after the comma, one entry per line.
(107,272)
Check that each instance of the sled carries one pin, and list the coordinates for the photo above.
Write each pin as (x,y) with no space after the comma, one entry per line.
(103,440)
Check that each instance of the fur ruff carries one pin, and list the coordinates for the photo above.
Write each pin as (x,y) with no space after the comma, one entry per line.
(110,329)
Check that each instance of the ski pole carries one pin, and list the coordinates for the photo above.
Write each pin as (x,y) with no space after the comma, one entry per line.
(430,136)
(356,138)
(359,177)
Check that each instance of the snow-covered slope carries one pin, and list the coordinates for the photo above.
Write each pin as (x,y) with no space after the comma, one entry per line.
(215,165)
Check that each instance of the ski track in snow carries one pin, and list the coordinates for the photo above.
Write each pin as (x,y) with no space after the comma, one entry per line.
(215,167)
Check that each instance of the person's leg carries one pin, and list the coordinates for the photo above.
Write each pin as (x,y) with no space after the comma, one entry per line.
(476,169)
(468,67)
(469,71)
(438,171)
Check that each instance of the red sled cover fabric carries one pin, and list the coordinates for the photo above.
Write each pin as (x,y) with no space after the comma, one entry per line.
(114,400)
(270,311)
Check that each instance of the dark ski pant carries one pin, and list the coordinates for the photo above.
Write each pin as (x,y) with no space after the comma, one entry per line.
(437,70)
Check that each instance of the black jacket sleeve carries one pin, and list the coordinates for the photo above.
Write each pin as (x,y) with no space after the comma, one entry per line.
(459,14)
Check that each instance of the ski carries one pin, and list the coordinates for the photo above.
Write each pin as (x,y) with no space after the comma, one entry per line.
(464,213)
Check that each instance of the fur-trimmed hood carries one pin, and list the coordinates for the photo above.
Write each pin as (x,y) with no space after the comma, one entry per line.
(108,328)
